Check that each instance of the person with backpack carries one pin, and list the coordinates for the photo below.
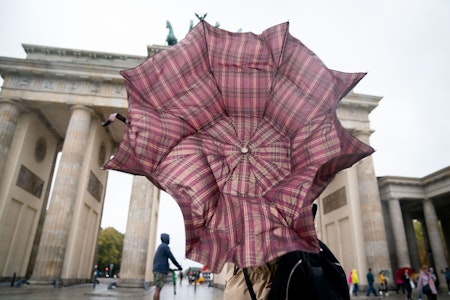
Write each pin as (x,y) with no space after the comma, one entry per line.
(295,275)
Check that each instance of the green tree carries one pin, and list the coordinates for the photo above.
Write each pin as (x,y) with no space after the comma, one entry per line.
(420,242)
(110,244)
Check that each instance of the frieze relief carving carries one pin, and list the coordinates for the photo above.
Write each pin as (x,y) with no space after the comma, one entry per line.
(119,90)
(73,86)
(24,82)
(68,86)
(48,84)
(95,88)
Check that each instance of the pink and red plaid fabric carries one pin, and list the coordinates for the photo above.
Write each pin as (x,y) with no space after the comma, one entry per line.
(241,129)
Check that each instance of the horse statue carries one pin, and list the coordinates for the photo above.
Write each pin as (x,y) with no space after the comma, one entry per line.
(171,39)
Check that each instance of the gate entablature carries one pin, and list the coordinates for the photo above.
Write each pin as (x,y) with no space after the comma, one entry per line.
(50,80)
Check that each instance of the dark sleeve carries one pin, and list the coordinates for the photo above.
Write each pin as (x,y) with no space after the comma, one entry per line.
(172,258)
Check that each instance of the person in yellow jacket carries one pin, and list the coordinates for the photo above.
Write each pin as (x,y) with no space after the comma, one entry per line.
(355,282)
(383,284)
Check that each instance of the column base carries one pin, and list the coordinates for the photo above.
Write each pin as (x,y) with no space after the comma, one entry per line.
(132,283)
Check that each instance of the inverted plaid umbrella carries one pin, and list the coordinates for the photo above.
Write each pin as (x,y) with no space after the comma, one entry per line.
(241,129)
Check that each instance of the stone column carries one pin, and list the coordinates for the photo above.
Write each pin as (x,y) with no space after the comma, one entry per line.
(56,230)
(9,114)
(411,240)
(401,244)
(135,245)
(437,246)
(375,240)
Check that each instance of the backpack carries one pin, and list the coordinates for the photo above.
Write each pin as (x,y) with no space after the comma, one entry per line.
(303,275)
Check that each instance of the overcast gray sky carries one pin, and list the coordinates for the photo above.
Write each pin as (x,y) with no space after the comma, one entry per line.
(404,45)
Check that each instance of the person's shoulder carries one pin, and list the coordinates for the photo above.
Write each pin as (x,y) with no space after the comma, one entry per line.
(165,247)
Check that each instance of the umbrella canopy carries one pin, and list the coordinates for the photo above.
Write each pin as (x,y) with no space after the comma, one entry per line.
(401,271)
(241,129)
(387,274)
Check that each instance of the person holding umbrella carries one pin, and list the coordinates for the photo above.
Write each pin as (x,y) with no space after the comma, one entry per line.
(236,136)
(383,284)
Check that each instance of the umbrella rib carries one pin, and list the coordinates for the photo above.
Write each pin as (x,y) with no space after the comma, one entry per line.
(280,59)
(210,68)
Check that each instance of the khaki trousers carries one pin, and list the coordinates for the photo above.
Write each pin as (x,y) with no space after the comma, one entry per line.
(261,278)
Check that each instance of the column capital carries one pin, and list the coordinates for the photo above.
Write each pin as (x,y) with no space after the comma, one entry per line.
(16,103)
(361,132)
(79,106)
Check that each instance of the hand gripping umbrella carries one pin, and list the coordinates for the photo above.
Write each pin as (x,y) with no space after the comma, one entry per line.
(241,129)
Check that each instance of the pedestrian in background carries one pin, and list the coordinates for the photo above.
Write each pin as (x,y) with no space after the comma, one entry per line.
(399,281)
(383,284)
(355,282)
(425,283)
(161,264)
(350,284)
(447,278)
(436,281)
(406,281)
(371,280)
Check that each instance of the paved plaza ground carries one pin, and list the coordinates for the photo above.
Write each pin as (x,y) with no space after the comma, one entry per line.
(101,292)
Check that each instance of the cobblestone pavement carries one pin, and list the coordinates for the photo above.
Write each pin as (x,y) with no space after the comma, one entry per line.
(183,292)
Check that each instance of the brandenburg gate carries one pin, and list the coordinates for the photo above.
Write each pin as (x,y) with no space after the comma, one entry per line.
(52,104)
